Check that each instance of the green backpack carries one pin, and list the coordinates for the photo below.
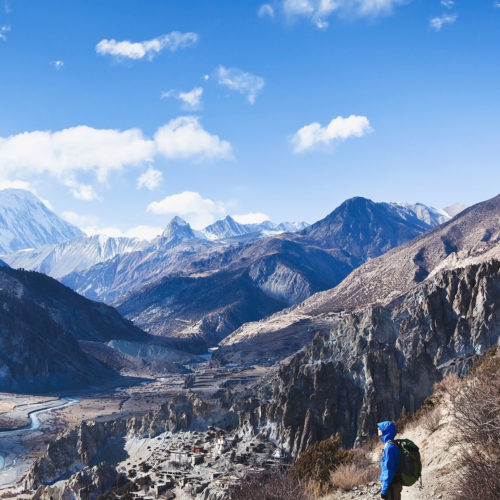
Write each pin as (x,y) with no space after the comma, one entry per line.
(410,465)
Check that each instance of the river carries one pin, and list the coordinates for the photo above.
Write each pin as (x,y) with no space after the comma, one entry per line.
(35,421)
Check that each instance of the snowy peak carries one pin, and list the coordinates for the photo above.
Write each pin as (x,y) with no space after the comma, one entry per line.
(74,255)
(26,222)
(455,209)
(429,215)
(179,230)
(225,228)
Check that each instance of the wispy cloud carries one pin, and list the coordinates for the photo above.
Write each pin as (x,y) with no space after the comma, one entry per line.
(240,81)
(496,4)
(148,49)
(57,64)
(315,136)
(448,3)
(266,10)
(191,206)
(69,153)
(191,100)
(3,32)
(318,11)
(150,179)
(437,23)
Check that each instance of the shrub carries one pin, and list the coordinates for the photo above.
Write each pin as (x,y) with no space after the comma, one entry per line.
(430,421)
(319,460)
(475,409)
(275,484)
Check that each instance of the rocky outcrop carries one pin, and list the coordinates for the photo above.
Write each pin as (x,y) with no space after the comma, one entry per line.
(376,361)
(88,483)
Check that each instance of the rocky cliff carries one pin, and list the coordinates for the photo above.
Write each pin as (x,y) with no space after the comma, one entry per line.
(375,361)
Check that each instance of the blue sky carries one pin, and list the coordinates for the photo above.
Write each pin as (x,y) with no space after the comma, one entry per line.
(124,113)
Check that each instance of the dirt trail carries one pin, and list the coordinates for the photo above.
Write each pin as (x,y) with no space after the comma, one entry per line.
(438,462)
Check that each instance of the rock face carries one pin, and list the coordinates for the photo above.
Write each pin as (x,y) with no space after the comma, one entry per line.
(375,361)
(26,222)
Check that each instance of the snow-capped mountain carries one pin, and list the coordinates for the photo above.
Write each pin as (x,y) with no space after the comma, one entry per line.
(225,228)
(429,215)
(75,255)
(25,222)
(177,231)
(229,228)
(455,209)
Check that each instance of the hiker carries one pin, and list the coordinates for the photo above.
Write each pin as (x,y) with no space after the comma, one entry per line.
(391,485)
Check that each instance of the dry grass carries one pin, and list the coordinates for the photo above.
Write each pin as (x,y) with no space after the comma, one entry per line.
(348,475)
(276,484)
(430,421)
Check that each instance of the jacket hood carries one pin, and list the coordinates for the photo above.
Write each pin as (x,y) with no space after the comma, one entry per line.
(388,430)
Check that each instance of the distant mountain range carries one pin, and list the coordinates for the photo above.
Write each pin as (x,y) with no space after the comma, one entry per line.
(203,285)
(215,291)
(26,222)
(471,237)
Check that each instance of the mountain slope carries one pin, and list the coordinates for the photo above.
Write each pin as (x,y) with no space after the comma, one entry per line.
(364,229)
(471,237)
(37,354)
(369,364)
(76,254)
(80,317)
(286,269)
(25,222)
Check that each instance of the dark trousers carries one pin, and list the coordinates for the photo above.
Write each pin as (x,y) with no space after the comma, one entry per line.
(394,491)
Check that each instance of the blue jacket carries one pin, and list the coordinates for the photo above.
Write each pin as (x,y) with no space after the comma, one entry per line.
(390,458)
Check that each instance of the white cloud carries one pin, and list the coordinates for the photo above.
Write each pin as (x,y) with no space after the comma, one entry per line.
(184,137)
(251,218)
(314,135)
(240,81)
(150,179)
(57,64)
(69,153)
(3,31)
(64,153)
(266,10)
(191,99)
(147,49)
(496,5)
(448,3)
(318,11)
(189,205)
(436,23)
